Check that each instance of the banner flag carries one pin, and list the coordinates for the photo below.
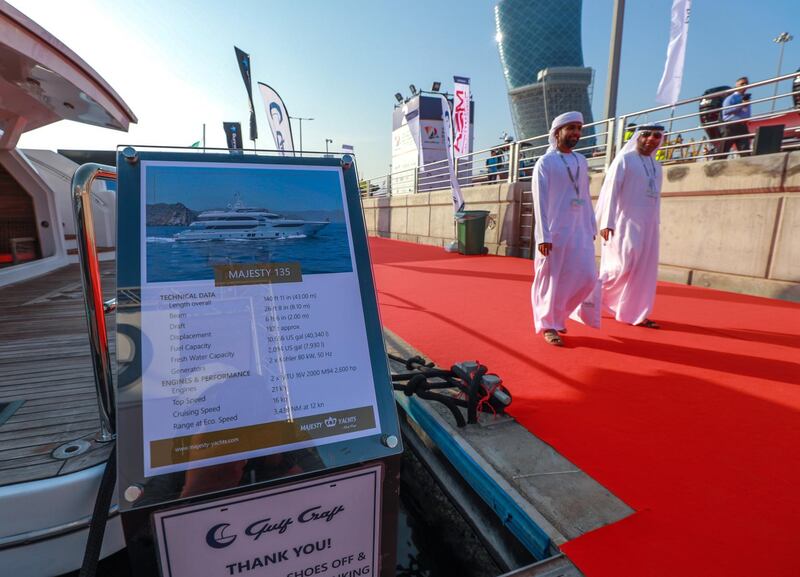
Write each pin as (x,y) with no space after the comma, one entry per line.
(461,114)
(412,120)
(278,118)
(670,86)
(458,199)
(233,135)
(244,67)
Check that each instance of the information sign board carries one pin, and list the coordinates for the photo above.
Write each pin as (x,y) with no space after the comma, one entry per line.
(249,344)
(329,526)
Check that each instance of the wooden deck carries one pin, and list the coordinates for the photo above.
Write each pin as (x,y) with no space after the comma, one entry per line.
(45,363)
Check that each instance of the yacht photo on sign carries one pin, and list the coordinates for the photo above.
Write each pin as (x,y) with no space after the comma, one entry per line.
(200,217)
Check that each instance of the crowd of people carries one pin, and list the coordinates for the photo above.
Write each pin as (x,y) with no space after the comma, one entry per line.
(732,129)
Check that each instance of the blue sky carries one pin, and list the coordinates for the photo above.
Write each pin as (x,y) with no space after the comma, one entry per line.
(341,62)
(204,188)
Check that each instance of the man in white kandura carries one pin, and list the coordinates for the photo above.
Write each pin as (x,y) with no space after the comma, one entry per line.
(628,215)
(564,265)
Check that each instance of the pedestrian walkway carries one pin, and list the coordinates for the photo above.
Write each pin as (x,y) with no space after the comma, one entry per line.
(695,426)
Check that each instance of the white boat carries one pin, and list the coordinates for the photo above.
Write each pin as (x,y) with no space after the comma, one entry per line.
(239,222)
(51,460)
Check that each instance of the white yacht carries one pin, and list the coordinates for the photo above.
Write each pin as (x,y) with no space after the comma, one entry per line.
(239,222)
(52,457)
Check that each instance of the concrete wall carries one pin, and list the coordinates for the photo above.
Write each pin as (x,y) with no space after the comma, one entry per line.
(427,218)
(730,224)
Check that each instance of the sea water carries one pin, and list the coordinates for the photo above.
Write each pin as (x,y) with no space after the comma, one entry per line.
(171,260)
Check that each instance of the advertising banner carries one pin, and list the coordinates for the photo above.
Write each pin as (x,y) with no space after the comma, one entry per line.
(432,135)
(256,341)
(412,118)
(458,199)
(461,116)
(278,118)
(233,135)
(405,147)
(327,527)
(243,59)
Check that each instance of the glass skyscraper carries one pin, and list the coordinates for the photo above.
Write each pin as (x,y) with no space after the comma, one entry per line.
(542,57)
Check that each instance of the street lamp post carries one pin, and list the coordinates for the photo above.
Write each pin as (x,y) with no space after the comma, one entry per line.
(300,119)
(327,141)
(781,39)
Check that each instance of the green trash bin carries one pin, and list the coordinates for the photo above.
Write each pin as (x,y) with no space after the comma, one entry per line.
(471,229)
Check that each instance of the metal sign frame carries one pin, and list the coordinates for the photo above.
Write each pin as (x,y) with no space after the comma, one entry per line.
(138,491)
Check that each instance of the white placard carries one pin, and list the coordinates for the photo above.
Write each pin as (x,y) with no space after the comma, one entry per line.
(327,527)
(253,331)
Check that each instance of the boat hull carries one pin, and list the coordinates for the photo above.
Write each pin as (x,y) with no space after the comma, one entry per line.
(282,231)
(46,524)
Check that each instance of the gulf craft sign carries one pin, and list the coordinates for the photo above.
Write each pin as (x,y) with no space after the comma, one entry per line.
(327,527)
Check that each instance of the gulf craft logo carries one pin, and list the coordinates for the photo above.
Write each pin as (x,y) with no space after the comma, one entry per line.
(275,112)
(221,535)
(217,537)
(432,132)
(330,422)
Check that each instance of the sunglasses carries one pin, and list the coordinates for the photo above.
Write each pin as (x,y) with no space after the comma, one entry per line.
(648,134)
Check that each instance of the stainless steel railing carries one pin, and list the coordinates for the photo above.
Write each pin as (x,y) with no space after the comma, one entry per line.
(93,292)
(692,135)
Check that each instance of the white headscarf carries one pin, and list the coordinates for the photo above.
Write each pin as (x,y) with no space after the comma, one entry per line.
(558,122)
(633,140)
(631,145)
(608,179)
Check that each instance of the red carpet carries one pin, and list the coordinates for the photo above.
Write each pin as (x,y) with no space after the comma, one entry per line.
(695,426)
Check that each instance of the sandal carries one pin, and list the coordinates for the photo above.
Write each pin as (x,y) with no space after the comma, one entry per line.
(551,338)
(648,324)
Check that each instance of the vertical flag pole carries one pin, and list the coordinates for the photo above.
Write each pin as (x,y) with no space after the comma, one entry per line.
(614,52)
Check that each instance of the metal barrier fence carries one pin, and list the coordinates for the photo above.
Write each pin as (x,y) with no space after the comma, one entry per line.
(696,131)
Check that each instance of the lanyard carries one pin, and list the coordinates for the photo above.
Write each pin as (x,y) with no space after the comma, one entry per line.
(651,176)
(573,180)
